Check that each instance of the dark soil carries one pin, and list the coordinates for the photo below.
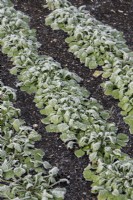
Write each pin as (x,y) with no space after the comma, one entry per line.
(53,44)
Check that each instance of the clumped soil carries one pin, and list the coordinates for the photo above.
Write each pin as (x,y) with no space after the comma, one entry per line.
(117,14)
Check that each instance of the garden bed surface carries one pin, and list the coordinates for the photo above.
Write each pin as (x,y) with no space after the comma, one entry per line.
(118,14)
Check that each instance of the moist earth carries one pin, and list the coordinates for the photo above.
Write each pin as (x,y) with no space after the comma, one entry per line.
(118,14)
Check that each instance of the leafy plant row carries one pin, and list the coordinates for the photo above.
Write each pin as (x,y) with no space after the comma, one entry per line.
(96,44)
(67,107)
(23,173)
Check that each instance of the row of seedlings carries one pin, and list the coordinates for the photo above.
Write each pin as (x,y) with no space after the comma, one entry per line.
(96,44)
(67,107)
(23,173)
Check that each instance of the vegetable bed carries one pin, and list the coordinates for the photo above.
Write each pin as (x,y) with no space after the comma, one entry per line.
(53,44)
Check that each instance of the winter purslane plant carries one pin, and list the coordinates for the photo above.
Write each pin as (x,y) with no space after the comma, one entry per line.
(67,107)
(96,44)
(57,94)
(114,182)
(23,173)
(54,4)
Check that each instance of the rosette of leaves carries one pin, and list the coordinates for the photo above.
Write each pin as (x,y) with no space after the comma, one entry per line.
(89,39)
(42,67)
(114,181)
(88,32)
(14,44)
(54,4)
(103,146)
(51,81)
(78,119)
(6,93)
(66,18)
(19,42)
(23,173)
(5,3)
(92,46)
(95,45)
(65,105)
(14,19)
(7,111)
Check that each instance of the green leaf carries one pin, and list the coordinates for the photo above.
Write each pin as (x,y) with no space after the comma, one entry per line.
(79,125)
(79,153)
(93,64)
(14,70)
(46,120)
(102,49)
(29,185)
(16,124)
(105,115)
(52,128)
(54,119)
(103,195)
(47,111)
(115,192)
(9,174)
(122,139)
(90,50)
(129,121)
(67,116)
(96,146)
(38,154)
(59,193)
(88,174)
(53,102)
(54,171)
(55,26)
(17,147)
(117,152)
(115,93)
(69,39)
(34,136)
(93,156)
(74,48)
(63,127)
(108,86)
(122,136)
(19,171)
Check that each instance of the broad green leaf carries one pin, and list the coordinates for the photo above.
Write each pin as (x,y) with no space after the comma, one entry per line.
(17,147)
(9,174)
(54,171)
(46,120)
(79,153)
(19,171)
(90,50)
(93,64)
(34,136)
(52,128)
(59,193)
(47,110)
(89,175)
(93,156)
(115,192)
(67,116)
(96,146)
(55,119)
(62,127)
(14,70)
(103,195)
(16,124)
